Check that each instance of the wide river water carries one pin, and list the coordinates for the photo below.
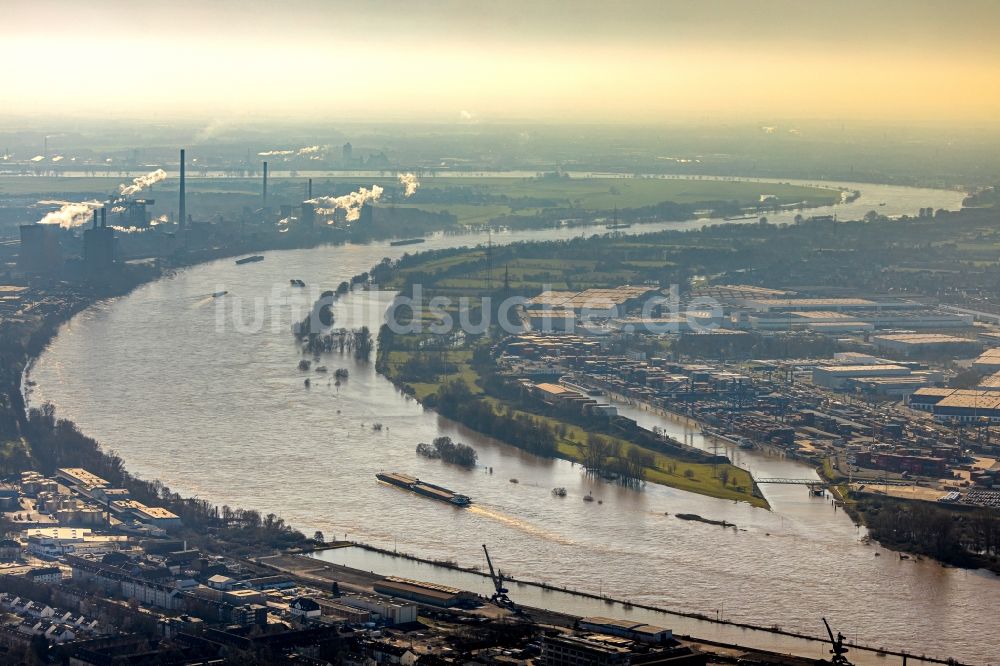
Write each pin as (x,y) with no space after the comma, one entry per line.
(166,377)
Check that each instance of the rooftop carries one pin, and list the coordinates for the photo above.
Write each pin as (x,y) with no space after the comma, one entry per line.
(921,338)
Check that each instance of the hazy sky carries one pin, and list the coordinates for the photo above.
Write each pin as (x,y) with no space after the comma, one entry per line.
(576,60)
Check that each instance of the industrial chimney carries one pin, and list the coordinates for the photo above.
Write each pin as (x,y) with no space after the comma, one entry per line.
(264,197)
(95,218)
(183,201)
(309,191)
(104,216)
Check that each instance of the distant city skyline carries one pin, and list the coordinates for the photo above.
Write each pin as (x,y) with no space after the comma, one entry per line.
(450,61)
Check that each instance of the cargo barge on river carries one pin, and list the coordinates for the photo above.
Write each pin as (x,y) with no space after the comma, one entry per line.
(415,485)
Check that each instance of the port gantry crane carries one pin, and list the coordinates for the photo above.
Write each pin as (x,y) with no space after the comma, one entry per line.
(838,650)
(499,597)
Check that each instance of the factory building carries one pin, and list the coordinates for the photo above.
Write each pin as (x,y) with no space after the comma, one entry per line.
(80,478)
(98,248)
(366,214)
(40,250)
(128,213)
(926,344)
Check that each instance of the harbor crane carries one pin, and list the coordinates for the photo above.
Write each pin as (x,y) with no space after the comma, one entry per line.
(499,597)
(837,647)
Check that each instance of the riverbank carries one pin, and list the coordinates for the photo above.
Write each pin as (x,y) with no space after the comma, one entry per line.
(719,621)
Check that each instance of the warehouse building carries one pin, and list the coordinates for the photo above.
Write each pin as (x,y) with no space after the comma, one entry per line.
(636,631)
(926,344)
(828,304)
(988,361)
(425,593)
(962,405)
(839,376)
(968,406)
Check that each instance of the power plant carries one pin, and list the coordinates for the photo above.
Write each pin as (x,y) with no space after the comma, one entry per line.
(98,247)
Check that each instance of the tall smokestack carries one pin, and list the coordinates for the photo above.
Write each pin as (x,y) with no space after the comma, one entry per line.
(95,218)
(309,191)
(183,201)
(264,197)
(104,216)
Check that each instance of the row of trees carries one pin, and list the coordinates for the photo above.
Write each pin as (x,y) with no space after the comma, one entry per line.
(457,402)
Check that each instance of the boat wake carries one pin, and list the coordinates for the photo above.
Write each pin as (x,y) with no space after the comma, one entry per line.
(518,523)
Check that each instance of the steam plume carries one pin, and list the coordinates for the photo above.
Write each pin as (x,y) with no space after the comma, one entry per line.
(350,203)
(410,182)
(71,214)
(141,183)
(307,150)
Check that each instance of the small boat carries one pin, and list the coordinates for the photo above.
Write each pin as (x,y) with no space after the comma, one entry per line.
(304,364)
(406,241)
(618,225)
(219,294)
(559,492)
(249,260)
(320,368)
(514,481)
(589,497)
(377,427)
(341,373)
(297,283)
(307,383)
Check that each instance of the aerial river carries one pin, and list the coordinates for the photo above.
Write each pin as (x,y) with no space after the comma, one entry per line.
(218,410)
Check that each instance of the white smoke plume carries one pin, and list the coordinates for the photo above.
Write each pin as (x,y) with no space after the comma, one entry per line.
(349,203)
(410,182)
(142,182)
(307,150)
(70,214)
